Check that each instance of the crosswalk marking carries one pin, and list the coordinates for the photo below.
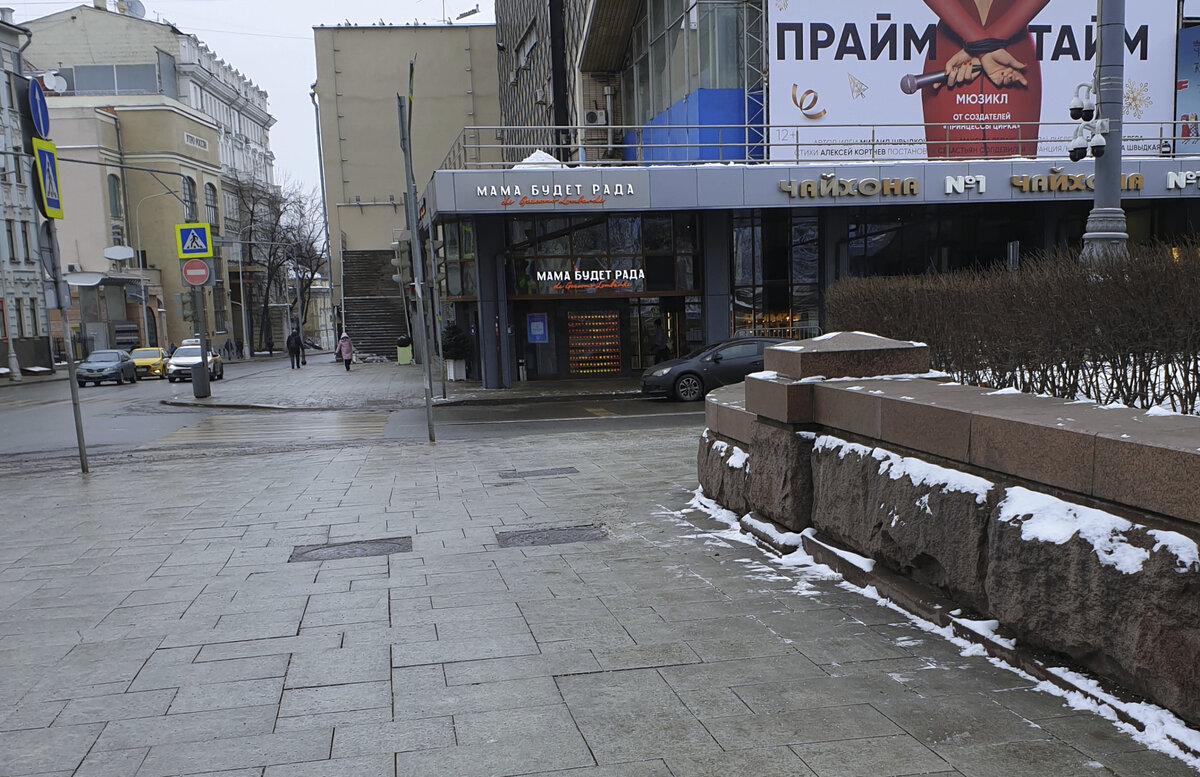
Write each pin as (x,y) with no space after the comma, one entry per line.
(600,411)
(266,428)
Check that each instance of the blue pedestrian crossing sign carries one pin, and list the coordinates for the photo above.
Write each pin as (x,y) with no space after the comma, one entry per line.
(193,241)
(49,198)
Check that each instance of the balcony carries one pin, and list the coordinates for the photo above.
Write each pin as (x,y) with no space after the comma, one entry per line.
(496,147)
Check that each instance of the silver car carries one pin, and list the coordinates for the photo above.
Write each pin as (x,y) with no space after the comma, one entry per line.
(179,367)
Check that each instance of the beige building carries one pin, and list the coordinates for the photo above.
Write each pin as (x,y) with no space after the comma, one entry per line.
(139,169)
(360,70)
(145,95)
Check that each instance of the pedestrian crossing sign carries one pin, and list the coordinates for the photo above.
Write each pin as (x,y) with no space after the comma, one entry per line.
(193,241)
(49,198)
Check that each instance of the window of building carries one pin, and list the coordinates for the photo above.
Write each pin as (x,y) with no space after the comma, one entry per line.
(114,197)
(210,207)
(774,274)
(189,199)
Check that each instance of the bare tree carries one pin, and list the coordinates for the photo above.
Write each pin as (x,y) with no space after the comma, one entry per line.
(280,236)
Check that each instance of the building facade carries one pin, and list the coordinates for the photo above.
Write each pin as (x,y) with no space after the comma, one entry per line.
(177,133)
(24,325)
(360,70)
(718,206)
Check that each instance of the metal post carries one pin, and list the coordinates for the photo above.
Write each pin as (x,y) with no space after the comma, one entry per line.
(59,288)
(1106,235)
(141,258)
(418,260)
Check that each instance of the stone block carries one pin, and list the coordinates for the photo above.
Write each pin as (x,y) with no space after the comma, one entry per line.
(847,355)
(728,486)
(1138,623)
(1155,468)
(781,486)
(780,398)
(848,407)
(1028,445)
(725,412)
(920,426)
(923,521)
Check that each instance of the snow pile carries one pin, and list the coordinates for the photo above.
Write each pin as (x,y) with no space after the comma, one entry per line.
(738,458)
(539,160)
(1045,518)
(919,473)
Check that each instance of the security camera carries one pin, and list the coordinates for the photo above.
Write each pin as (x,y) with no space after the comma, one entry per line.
(1077,149)
(1089,111)
(1076,108)
(1097,145)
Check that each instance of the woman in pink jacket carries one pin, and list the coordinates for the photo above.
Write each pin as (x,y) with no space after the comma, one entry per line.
(345,349)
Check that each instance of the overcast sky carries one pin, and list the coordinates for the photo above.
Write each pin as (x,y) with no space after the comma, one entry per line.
(271,42)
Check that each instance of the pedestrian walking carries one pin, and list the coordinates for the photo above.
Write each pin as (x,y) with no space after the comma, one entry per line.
(241,349)
(295,349)
(345,349)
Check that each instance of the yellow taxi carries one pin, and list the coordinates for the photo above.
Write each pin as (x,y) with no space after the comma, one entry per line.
(150,362)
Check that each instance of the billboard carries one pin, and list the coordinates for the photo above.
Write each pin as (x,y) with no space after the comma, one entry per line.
(1187,92)
(867,80)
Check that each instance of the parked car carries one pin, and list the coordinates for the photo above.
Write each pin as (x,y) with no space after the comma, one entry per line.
(179,367)
(106,365)
(707,368)
(150,361)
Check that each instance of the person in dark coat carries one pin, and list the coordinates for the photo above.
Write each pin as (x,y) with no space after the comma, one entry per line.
(295,349)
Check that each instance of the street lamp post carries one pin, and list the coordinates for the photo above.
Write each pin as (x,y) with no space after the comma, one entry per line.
(137,223)
(1106,234)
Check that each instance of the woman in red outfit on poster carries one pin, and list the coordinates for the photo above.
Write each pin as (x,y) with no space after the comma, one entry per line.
(991,102)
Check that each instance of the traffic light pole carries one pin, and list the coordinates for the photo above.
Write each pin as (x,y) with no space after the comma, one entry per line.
(418,260)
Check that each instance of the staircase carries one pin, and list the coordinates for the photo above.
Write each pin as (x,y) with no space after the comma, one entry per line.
(374,305)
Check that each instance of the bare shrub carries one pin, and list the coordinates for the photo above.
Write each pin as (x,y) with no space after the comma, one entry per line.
(1117,331)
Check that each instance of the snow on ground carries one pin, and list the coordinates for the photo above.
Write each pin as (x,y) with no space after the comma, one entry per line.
(1159,730)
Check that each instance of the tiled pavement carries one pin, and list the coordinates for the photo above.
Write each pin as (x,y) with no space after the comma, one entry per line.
(171,636)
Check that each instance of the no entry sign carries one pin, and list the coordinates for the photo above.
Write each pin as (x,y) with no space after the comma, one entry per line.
(196,272)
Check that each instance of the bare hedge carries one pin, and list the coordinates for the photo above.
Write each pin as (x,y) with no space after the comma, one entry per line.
(1118,331)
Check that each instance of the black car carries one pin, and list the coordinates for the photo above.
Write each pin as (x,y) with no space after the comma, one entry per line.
(106,365)
(703,370)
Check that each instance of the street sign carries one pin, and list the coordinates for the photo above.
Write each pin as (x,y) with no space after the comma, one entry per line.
(193,241)
(195,272)
(49,200)
(38,110)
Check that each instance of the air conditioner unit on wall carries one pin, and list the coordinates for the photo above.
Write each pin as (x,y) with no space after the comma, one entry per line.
(595,118)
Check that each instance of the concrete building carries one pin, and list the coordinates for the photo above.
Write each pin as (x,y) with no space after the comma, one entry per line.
(164,102)
(360,70)
(24,327)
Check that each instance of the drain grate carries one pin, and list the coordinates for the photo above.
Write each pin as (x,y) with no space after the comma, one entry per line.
(332,551)
(512,474)
(557,536)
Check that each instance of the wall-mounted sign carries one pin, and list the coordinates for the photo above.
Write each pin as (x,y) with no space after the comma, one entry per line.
(536,328)
(197,142)
(566,194)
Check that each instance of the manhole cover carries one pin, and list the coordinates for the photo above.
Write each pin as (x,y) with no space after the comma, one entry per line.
(361,549)
(537,473)
(531,537)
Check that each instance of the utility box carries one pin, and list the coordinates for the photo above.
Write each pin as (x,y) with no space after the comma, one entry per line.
(200,380)
(404,350)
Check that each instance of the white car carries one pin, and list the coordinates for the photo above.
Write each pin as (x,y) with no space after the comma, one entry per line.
(179,367)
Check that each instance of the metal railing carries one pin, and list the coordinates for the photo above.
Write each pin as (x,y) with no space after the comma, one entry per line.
(498,147)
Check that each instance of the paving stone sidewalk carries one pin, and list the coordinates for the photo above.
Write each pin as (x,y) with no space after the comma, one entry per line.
(151,624)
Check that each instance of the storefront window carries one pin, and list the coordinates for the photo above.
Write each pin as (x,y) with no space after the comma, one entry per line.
(658,231)
(775,274)
(625,234)
(590,236)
